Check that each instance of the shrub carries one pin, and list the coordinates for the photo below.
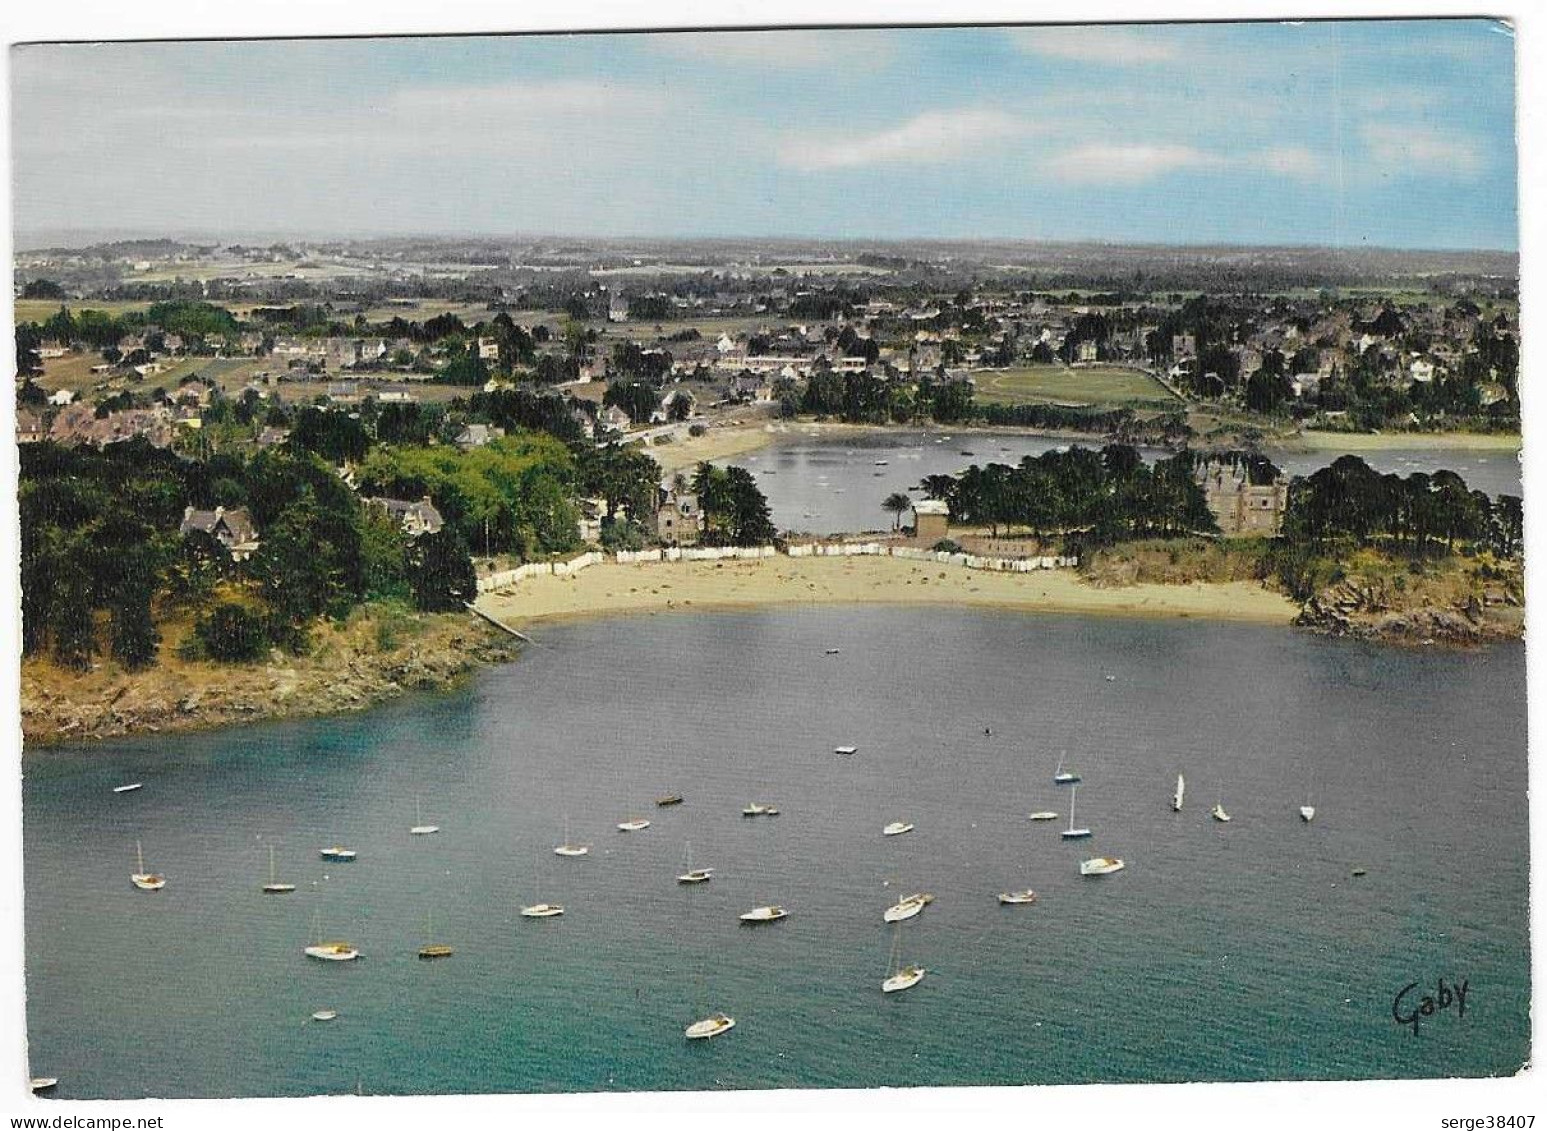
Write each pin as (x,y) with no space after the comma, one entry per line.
(232,633)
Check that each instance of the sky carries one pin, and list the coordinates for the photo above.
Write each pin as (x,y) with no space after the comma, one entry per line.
(1378,133)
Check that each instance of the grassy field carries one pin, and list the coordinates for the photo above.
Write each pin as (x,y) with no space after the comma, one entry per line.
(1092,385)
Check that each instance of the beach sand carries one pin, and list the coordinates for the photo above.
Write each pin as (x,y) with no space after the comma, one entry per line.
(1357,442)
(610,589)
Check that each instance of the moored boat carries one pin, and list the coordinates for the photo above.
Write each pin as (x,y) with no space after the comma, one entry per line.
(569,849)
(43,1083)
(907,907)
(130,788)
(669,799)
(1181,790)
(1042,815)
(1101,866)
(274,887)
(633,825)
(337,854)
(325,1015)
(760,809)
(845,750)
(1062,776)
(542,911)
(1307,813)
(904,979)
(1017,897)
(140,878)
(1072,833)
(692,875)
(1218,812)
(897,828)
(765,914)
(332,952)
(419,827)
(710,1027)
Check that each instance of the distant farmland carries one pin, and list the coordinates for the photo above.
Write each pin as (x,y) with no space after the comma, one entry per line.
(1057,384)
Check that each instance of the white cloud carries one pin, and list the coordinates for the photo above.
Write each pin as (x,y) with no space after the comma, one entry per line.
(1406,150)
(931,138)
(1291,161)
(1128,164)
(1111,45)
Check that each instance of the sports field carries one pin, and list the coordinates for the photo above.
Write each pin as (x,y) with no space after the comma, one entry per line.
(1058,384)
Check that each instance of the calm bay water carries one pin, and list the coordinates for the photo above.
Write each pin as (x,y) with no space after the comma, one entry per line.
(1236,952)
(833,483)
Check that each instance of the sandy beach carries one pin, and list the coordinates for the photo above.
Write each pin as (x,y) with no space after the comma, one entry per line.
(611,589)
(1356,442)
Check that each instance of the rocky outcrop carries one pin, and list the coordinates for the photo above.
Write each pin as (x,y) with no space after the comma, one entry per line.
(1376,612)
(349,674)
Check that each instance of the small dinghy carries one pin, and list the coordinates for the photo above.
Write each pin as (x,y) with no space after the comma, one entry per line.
(130,788)
(325,1015)
(759,809)
(710,1027)
(542,911)
(633,825)
(1042,815)
(1017,897)
(897,828)
(845,750)
(669,799)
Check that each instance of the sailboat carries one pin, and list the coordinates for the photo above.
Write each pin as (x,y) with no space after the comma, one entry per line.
(900,978)
(633,825)
(907,907)
(1062,776)
(690,874)
(432,950)
(568,849)
(1307,811)
(420,828)
(145,881)
(1181,789)
(1072,833)
(540,910)
(760,809)
(765,914)
(337,853)
(328,951)
(273,887)
(1218,812)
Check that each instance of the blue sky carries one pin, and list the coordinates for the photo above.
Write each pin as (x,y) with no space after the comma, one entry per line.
(1397,134)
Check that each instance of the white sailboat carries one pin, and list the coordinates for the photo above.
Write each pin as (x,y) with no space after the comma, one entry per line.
(760,809)
(1072,833)
(1307,811)
(1218,812)
(900,977)
(1181,789)
(328,951)
(568,849)
(145,881)
(633,825)
(690,874)
(907,907)
(765,914)
(420,828)
(274,887)
(1062,776)
(540,910)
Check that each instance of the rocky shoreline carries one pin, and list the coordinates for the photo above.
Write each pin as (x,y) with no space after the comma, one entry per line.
(1373,612)
(345,671)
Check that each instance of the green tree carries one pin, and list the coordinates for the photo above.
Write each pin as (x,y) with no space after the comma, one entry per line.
(440,570)
(897,505)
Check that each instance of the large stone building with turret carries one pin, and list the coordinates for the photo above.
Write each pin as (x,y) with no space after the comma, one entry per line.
(1246,493)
